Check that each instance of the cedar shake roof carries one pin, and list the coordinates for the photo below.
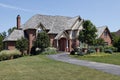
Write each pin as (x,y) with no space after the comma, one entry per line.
(15,35)
(55,24)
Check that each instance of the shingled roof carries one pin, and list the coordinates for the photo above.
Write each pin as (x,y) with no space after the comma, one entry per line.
(55,24)
(15,35)
(100,30)
(117,33)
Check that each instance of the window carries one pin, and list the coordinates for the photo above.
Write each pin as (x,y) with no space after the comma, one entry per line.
(73,33)
(39,30)
(105,33)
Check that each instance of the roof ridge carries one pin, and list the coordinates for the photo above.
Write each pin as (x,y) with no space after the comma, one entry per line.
(102,26)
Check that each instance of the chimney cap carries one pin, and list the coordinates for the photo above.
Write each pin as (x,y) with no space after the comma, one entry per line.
(18,15)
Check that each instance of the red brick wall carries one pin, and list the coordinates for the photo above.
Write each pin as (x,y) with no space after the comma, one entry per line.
(52,36)
(106,38)
(11,45)
(31,37)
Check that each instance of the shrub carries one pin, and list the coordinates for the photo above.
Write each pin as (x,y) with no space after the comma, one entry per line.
(22,45)
(72,52)
(9,54)
(91,51)
(42,41)
(49,50)
(80,53)
(101,48)
(108,51)
(111,48)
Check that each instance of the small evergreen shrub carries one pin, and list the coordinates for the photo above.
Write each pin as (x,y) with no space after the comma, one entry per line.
(9,54)
(111,48)
(108,51)
(72,52)
(101,48)
(49,50)
(91,51)
(80,53)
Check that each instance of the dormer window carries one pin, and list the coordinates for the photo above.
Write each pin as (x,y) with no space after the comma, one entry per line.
(39,30)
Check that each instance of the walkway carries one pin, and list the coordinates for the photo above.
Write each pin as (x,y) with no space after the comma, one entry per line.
(109,68)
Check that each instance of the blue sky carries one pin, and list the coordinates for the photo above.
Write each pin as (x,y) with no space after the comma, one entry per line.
(100,12)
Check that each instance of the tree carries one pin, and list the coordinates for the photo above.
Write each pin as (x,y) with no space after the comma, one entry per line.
(116,41)
(3,34)
(42,41)
(2,37)
(1,42)
(99,42)
(88,34)
(22,45)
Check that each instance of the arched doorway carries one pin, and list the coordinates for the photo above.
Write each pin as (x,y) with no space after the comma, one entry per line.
(62,44)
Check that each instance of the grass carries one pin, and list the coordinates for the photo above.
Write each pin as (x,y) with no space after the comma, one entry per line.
(101,57)
(41,68)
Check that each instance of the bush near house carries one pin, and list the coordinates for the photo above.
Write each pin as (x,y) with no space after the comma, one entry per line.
(9,54)
(22,45)
(49,50)
(42,41)
(111,48)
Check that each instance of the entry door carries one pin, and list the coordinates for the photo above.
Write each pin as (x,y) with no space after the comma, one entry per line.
(62,44)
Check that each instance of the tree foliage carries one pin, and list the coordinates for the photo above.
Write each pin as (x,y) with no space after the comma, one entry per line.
(99,42)
(22,44)
(2,37)
(1,42)
(42,41)
(88,34)
(116,41)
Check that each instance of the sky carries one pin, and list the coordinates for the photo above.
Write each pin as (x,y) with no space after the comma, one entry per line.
(100,12)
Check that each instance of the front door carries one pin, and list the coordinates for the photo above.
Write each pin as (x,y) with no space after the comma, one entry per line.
(62,44)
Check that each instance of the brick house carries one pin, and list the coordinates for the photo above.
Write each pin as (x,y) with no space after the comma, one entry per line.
(63,31)
(104,33)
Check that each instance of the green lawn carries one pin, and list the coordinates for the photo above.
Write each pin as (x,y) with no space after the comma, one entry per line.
(101,57)
(41,68)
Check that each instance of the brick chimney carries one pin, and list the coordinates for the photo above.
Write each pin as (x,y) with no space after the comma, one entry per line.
(18,21)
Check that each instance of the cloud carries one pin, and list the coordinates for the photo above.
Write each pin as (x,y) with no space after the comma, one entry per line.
(15,8)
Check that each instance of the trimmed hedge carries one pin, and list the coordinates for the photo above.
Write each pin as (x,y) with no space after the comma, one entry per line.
(9,54)
(49,50)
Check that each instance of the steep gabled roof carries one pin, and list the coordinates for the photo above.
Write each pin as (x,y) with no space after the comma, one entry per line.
(100,30)
(15,35)
(55,24)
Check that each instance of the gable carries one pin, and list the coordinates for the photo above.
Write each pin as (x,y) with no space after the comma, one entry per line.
(104,33)
(78,24)
(62,35)
(100,30)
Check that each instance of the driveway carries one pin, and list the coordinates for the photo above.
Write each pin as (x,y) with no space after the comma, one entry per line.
(109,68)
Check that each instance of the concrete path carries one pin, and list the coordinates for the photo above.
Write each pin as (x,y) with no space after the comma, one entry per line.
(109,68)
